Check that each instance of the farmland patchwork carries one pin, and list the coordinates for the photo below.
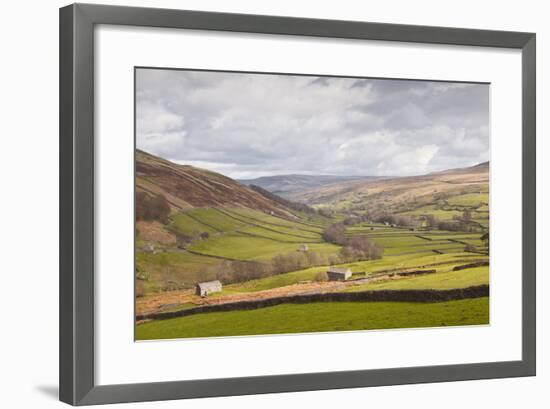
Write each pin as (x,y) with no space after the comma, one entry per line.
(269,265)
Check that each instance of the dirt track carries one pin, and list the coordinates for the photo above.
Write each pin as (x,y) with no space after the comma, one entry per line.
(160,302)
(168,300)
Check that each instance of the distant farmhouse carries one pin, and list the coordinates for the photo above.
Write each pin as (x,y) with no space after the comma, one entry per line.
(207,288)
(304,247)
(338,274)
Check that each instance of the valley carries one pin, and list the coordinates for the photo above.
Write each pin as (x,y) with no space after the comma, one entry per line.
(396,237)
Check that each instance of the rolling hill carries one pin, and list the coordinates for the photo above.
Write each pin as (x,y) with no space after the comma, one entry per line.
(288,185)
(397,193)
(187,187)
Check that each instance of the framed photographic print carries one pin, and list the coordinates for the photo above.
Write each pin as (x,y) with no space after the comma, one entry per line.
(254,204)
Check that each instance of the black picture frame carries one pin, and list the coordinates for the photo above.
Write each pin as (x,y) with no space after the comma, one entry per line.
(76,331)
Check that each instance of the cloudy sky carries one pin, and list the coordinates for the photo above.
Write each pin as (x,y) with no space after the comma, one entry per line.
(251,125)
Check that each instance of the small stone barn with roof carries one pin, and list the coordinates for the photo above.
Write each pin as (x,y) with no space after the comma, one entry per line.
(338,274)
(208,287)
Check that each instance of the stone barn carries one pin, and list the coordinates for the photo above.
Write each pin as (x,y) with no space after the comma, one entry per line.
(338,274)
(208,287)
(304,247)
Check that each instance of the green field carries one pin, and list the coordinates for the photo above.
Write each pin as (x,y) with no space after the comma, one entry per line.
(266,236)
(185,224)
(279,280)
(171,269)
(243,247)
(443,262)
(444,280)
(409,243)
(218,220)
(453,207)
(399,241)
(469,199)
(320,317)
(249,235)
(282,235)
(404,241)
(269,220)
(211,220)
(434,210)
(233,234)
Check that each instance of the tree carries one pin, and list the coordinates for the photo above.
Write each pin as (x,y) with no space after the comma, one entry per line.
(335,233)
(360,248)
(431,221)
(160,208)
(142,206)
(152,208)
(346,254)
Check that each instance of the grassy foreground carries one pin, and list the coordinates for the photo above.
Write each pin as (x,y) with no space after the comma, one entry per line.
(320,317)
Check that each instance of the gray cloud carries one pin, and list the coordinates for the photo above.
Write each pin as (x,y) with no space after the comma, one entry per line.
(249,125)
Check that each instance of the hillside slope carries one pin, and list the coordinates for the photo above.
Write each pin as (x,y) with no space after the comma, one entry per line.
(398,191)
(287,185)
(187,187)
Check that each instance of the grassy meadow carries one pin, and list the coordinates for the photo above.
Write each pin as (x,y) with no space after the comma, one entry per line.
(320,317)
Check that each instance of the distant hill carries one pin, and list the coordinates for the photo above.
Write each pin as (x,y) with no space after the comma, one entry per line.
(187,187)
(392,193)
(480,167)
(300,207)
(287,185)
